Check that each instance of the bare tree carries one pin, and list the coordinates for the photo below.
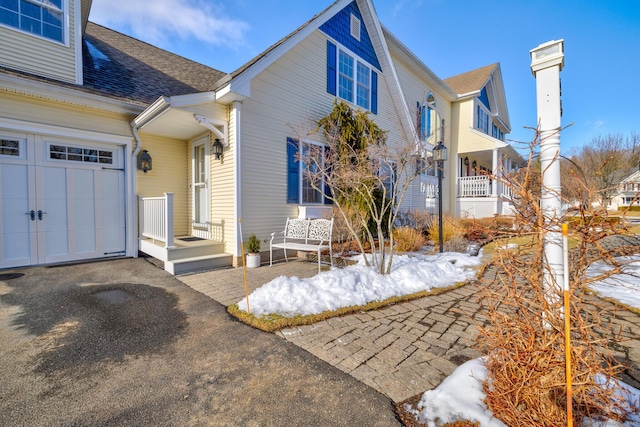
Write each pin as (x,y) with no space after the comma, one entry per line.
(605,161)
(365,177)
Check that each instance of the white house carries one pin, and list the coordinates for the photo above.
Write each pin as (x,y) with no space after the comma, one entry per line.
(109,145)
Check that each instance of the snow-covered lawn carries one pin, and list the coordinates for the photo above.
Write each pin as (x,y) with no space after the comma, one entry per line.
(624,287)
(359,285)
(461,397)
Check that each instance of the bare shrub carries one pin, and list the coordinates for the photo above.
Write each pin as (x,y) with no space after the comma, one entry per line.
(524,339)
(419,220)
(409,239)
(456,244)
(450,230)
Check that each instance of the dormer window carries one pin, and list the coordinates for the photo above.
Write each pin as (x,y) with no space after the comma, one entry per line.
(40,17)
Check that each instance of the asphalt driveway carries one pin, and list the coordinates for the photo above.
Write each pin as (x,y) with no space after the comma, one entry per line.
(121,343)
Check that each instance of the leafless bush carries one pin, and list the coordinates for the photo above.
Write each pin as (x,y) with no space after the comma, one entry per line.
(524,339)
(409,239)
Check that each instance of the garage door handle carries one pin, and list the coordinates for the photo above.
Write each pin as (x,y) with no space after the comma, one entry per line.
(32,214)
(40,214)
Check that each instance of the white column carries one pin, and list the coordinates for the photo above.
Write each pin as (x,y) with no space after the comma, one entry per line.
(168,217)
(547,61)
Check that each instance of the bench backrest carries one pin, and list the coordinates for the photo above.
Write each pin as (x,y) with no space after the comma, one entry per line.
(308,229)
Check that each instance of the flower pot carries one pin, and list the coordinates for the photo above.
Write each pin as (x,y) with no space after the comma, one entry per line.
(253,260)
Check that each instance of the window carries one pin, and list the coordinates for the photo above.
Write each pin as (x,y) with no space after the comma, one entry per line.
(40,17)
(482,120)
(496,132)
(300,187)
(200,191)
(351,79)
(10,147)
(80,154)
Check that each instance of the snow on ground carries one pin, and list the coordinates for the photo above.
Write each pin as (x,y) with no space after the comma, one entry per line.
(359,284)
(461,397)
(623,287)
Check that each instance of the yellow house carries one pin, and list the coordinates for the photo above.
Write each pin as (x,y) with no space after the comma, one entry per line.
(110,146)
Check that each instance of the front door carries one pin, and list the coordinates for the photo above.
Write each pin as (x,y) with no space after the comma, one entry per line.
(200,185)
(61,200)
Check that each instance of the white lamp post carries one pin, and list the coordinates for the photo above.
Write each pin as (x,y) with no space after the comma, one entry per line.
(547,60)
(440,156)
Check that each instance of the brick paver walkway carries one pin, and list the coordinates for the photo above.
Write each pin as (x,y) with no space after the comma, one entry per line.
(401,350)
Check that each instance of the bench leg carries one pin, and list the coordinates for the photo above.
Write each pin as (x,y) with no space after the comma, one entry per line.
(270,256)
(318,260)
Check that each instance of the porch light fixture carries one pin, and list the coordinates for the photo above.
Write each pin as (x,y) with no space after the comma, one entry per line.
(144,161)
(466,161)
(218,149)
(440,156)
(474,164)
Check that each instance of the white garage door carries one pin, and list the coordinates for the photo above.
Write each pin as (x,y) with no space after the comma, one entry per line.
(62,200)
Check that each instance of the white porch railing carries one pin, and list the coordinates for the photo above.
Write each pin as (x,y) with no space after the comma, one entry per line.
(156,218)
(474,186)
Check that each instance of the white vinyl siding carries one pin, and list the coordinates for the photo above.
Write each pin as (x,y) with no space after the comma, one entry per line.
(35,54)
(286,98)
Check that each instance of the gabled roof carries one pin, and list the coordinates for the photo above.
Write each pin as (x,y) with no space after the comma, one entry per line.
(121,66)
(471,81)
(473,84)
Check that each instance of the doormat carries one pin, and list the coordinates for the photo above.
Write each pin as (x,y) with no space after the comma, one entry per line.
(190,239)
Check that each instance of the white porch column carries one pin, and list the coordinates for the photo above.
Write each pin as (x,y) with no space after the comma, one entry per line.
(494,170)
(547,61)
(168,217)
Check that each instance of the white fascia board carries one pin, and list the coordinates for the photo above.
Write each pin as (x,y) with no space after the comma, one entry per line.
(240,83)
(179,101)
(153,111)
(421,65)
(388,68)
(64,132)
(232,92)
(67,95)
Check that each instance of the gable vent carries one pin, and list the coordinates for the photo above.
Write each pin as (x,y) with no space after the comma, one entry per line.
(355,27)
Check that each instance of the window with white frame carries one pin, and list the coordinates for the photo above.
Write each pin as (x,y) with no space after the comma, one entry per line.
(482,119)
(40,17)
(10,147)
(305,180)
(354,73)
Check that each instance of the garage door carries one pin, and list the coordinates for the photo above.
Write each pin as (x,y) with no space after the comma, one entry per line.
(62,200)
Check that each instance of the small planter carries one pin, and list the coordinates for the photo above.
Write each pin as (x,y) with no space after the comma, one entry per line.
(253,260)
(253,247)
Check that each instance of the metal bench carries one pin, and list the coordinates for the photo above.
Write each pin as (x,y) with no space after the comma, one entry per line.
(306,235)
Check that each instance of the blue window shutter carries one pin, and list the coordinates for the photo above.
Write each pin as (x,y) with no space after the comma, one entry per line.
(332,73)
(428,126)
(293,172)
(423,122)
(374,92)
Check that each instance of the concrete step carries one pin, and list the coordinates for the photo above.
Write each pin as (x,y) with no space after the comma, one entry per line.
(198,263)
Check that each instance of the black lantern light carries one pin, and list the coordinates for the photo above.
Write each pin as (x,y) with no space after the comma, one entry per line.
(218,149)
(144,161)
(466,161)
(440,156)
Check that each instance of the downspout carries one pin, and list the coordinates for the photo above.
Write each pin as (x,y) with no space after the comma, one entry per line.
(136,136)
(237,112)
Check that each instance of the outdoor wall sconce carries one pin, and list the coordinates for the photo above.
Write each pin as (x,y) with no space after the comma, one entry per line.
(474,164)
(466,161)
(218,149)
(144,161)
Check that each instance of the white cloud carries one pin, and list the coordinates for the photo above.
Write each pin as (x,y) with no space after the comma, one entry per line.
(160,21)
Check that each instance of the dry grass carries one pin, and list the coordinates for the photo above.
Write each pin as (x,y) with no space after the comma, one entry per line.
(408,239)
(275,322)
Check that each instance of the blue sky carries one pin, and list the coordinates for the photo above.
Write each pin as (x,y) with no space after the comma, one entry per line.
(600,83)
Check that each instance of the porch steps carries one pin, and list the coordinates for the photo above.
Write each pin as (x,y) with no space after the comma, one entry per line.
(188,256)
(198,263)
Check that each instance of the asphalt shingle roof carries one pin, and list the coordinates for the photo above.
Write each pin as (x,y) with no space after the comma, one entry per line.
(121,66)
(470,81)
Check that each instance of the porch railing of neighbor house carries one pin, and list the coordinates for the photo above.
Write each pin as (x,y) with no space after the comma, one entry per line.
(474,186)
(156,218)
